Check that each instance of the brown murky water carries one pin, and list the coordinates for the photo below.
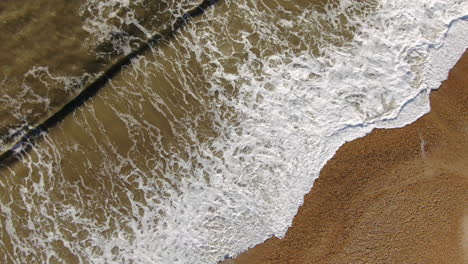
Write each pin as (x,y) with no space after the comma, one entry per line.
(52,50)
(99,186)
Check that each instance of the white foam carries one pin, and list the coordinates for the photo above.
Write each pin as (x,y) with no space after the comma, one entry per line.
(295,110)
(444,55)
(256,186)
(389,58)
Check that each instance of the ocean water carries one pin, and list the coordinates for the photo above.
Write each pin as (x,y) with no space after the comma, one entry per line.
(206,142)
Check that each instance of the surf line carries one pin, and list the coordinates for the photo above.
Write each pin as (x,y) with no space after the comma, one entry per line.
(27,141)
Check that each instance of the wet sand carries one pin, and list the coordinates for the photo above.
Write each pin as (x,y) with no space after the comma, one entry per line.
(394,196)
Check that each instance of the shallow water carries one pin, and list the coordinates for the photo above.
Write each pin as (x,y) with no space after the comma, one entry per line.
(51,51)
(205,143)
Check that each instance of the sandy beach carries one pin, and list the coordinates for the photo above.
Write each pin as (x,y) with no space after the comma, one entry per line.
(394,196)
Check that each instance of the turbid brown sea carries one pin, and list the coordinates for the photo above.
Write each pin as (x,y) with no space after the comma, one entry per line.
(394,196)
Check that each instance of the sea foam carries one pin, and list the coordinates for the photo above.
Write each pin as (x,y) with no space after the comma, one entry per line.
(296,87)
(382,81)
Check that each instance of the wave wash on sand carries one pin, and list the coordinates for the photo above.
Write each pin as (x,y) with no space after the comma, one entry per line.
(206,144)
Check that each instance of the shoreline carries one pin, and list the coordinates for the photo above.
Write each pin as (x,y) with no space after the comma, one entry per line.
(394,196)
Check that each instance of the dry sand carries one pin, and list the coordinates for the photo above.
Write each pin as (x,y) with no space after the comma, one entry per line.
(394,196)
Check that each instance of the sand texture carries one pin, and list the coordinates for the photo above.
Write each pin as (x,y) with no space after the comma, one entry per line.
(394,196)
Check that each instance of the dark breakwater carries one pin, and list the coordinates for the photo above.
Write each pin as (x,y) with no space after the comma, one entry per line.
(33,134)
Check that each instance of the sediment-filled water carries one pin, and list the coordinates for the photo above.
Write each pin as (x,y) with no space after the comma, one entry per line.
(205,140)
